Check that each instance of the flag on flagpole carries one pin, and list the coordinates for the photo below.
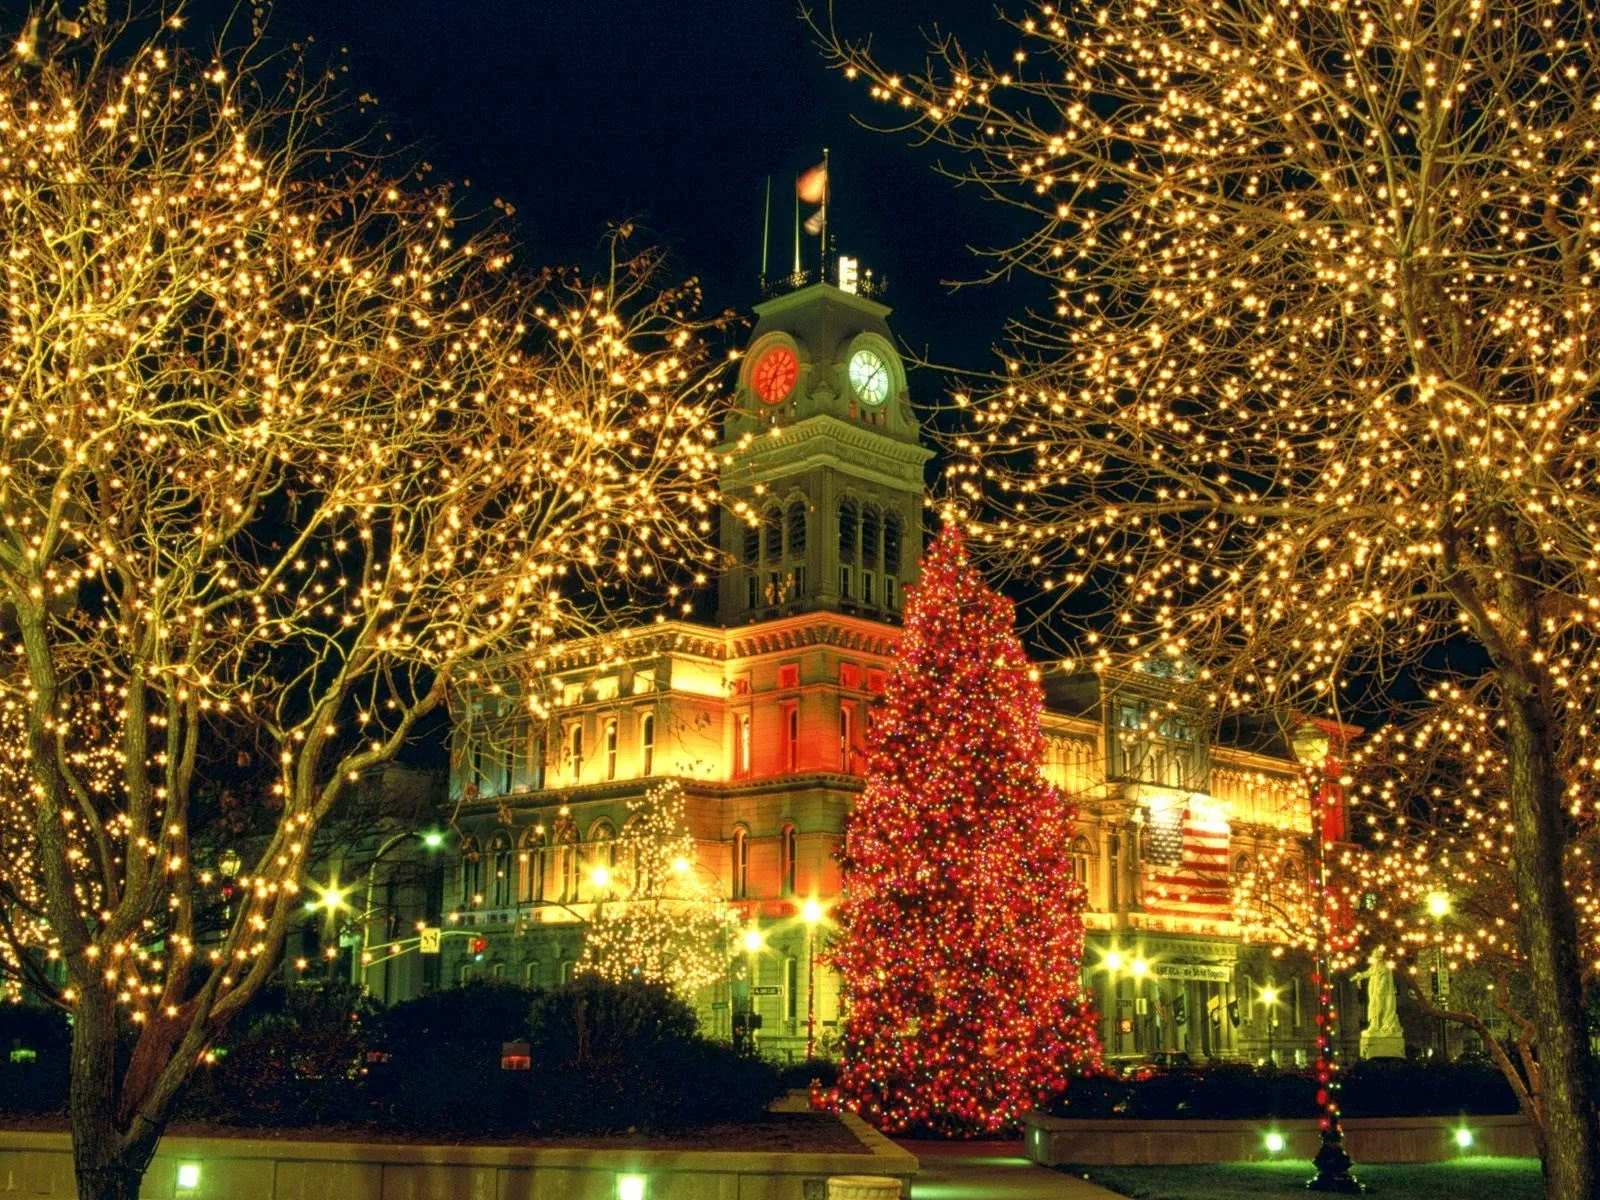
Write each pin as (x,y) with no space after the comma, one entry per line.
(812,186)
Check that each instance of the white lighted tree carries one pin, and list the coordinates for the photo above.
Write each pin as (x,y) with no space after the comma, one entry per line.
(1307,397)
(288,452)
(658,917)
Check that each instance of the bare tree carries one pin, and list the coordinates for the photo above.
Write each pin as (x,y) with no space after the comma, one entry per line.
(1310,400)
(287,452)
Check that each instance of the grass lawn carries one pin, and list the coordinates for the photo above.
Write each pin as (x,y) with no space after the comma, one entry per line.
(1501,1178)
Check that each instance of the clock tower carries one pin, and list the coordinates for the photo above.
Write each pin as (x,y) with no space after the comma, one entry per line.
(826,450)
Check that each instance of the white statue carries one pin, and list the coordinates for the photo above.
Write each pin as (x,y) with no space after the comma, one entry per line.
(1383,1037)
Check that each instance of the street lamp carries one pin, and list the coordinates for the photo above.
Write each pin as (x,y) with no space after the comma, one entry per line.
(811,914)
(1438,910)
(1269,998)
(1312,743)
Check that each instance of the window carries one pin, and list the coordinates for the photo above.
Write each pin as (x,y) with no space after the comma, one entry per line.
(845,583)
(1080,860)
(536,779)
(788,675)
(500,884)
(797,581)
(567,864)
(871,522)
(752,591)
(741,746)
(791,736)
(772,527)
(866,587)
(849,675)
(564,972)
(498,970)
(888,592)
(752,544)
(797,528)
(1113,869)
(891,544)
(847,532)
(611,748)
(530,973)
(791,987)
(786,866)
(846,735)
(647,744)
(533,869)
(741,863)
(471,874)
(574,751)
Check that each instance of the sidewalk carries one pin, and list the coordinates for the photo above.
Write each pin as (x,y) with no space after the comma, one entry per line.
(991,1171)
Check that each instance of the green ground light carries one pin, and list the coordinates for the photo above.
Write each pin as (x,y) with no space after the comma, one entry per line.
(1503,1178)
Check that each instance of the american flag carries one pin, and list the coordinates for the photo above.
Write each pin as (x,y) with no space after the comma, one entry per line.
(1187,866)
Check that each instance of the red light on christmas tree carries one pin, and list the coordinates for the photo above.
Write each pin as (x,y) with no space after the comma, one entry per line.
(960,928)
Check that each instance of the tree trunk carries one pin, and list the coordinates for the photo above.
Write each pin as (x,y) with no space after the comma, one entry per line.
(107,1165)
(1550,940)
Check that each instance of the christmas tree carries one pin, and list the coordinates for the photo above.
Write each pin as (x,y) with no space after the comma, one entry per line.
(657,918)
(960,927)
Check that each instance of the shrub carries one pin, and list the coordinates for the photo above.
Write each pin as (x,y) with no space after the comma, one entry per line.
(35,1044)
(627,1056)
(800,1074)
(439,1061)
(1237,1091)
(297,1056)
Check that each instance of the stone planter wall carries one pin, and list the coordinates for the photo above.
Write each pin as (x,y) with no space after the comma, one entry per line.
(1081,1142)
(39,1166)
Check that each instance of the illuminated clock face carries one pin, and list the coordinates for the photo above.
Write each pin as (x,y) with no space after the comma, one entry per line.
(869,375)
(774,374)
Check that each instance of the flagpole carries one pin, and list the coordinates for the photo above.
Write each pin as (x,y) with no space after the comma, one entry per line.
(827,187)
(766,228)
(797,233)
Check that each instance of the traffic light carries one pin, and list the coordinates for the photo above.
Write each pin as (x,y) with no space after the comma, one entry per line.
(479,945)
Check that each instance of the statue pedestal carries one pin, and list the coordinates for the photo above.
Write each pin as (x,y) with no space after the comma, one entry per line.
(1382,1045)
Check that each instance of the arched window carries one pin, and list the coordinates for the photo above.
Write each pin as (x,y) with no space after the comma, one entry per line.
(1081,854)
(567,865)
(772,525)
(574,751)
(786,864)
(871,522)
(531,978)
(564,972)
(1242,866)
(1113,870)
(647,744)
(471,873)
(847,531)
(846,735)
(502,872)
(752,544)
(741,863)
(532,867)
(891,544)
(603,835)
(797,529)
(611,748)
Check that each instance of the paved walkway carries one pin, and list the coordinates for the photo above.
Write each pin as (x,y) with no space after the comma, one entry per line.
(991,1171)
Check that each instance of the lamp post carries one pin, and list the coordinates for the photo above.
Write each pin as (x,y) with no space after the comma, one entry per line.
(1269,997)
(358,966)
(1438,910)
(811,913)
(753,942)
(1311,744)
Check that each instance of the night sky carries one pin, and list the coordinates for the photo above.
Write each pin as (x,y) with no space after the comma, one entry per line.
(584,112)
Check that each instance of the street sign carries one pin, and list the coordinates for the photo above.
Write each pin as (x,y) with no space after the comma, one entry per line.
(430,939)
(718,1005)
(766,989)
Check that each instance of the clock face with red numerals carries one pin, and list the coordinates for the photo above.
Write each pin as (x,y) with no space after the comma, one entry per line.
(774,374)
